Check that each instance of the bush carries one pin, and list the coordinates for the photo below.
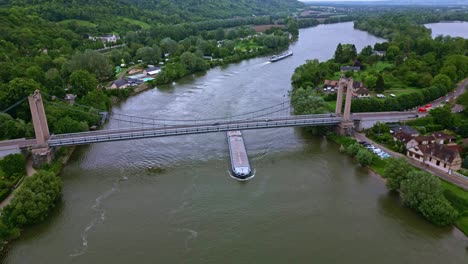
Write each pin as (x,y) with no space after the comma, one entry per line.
(364,157)
(353,149)
(13,164)
(438,211)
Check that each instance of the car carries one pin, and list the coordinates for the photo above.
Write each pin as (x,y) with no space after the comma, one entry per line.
(392,95)
(376,150)
(216,124)
(267,120)
(362,142)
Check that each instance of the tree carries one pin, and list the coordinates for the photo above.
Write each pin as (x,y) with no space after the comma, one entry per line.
(370,81)
(442,116)
(380,84)
(438,211)
(33,201)
(442,80)
(82,82)
(93,62)
(353,149)
(219,35)
(149,55)
(339,53)
(168,45)
(69,125)
(364,157)
(13,165)
(396,172)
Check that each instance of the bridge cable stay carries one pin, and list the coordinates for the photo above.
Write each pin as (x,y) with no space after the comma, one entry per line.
(153,124)
(15,105)
(188,120)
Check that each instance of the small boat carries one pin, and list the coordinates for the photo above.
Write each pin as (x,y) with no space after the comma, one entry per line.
(280,56)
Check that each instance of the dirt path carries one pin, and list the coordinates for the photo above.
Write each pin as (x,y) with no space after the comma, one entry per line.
(29,171)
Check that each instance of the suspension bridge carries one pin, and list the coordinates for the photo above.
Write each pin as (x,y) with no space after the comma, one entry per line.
(137,127)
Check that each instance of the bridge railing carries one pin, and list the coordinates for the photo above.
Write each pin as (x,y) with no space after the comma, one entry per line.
(119,135)
(150,126)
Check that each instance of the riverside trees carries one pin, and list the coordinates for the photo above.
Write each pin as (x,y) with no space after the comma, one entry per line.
(421,191)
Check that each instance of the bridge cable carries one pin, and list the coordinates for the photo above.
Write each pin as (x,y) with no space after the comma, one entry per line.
(15,105)
(191,120)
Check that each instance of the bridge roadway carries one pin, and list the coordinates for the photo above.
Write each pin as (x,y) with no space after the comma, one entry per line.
(74,139)
(198,127)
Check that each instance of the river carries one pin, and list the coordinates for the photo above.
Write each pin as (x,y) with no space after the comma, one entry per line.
(450,28)
(308,203)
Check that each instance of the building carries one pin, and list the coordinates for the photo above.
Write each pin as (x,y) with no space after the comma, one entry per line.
(152,70)
(425,140)
(395,128)
(437,156)
(443,138)
(331,84)
(109,38)
(350,68)
(379,53)
(362,93)
(119,84)
(70,98)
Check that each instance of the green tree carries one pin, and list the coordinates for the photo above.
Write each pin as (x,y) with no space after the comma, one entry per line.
(442,116)
(396,171)
(339,53)
(364,157)
(168,45)
(82,82)
(33,201)
(149,55)
(69,125)
(219,34)
(442,80)
(13,165)
(353,149)
(370,81)
(380,84)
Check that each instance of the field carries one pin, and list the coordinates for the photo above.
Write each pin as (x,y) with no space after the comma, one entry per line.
(142,24)
(81,23)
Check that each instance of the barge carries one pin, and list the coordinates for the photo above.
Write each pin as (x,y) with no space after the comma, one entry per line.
(239,160)
(280,56)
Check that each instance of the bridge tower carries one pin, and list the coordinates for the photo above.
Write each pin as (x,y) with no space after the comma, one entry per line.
(41,152)
(345,86)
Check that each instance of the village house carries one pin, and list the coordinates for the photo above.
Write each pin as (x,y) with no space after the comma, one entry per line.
(396,128)
(109,38)
(362,93)
(437,156)
(350,68)
(119,84)
(70,98)
(331,85)
(379,53)
(443,138)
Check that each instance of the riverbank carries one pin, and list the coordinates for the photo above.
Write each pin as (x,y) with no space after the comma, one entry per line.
(9,229)
(454,194)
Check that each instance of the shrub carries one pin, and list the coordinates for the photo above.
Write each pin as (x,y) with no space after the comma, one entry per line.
(396,172)
(364,157)
(353,149)
(438,211)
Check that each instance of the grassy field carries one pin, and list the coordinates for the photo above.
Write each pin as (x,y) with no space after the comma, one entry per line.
(331,106)
(79,22)
(246,46)
(142,24)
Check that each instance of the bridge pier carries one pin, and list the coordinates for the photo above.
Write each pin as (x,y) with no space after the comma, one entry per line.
(346,127)
(41,153)
(41,156)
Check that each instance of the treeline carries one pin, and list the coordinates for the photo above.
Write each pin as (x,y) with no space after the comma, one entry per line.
(428,68)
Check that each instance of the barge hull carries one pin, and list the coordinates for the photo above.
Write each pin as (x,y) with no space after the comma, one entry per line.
(239,160)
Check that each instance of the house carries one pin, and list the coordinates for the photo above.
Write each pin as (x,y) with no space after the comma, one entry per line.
(405,139)
(362,93)
(395,128)
(379,53)
(331,84)
(350,68)
(425,140)
(119,84)
(437,156)
(70,98)
(109,38)
(443,138)
(152,70)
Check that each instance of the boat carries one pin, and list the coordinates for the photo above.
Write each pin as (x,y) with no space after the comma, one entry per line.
(280,56)
(239,160)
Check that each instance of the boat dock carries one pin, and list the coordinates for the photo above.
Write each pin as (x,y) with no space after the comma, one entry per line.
(239,160)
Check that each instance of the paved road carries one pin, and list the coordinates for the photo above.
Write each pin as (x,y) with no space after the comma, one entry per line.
(461,182)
